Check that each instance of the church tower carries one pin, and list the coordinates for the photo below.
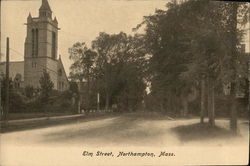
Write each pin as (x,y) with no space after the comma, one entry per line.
(41,47)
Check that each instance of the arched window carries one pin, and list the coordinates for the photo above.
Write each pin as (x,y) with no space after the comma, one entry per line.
(36,53)
(34,42)
(53,47)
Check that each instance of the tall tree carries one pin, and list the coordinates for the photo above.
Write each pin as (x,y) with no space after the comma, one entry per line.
(236,16)
(119,55)
(189,42)
(82,67)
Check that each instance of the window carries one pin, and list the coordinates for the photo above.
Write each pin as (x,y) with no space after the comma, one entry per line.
(53,46)
(34,42)
(36,53)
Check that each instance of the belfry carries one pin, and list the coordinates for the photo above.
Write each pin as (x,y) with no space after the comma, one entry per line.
(40,52)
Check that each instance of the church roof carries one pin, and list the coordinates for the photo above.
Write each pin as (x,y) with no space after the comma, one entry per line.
(45,5)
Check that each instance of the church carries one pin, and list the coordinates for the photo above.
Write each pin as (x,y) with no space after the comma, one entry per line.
(40,53)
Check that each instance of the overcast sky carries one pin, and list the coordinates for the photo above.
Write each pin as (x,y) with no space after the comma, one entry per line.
(79,20)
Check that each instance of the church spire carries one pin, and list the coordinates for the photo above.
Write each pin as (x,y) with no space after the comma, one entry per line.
(45,5)
(29,19)
(45,10)
(29,15)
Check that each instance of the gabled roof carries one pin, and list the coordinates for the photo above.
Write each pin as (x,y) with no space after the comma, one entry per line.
(60,66)
(45,5)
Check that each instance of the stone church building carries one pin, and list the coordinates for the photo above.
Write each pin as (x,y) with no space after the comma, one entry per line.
(40,53)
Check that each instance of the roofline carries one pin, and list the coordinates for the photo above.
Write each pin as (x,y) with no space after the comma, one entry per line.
(63,68)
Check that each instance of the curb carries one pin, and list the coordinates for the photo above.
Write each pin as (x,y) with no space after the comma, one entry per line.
(42,119)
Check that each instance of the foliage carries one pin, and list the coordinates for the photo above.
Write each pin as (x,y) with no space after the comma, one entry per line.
(73,87)
(29,90)
(83,59)
(115,68)
(3,88)
(46,86)
(189,41)
(121,67)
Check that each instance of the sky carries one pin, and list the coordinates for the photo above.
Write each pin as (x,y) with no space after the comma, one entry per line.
(79,20)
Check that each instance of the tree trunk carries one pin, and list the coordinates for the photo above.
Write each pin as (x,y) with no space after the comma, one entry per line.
(107,102)
(208,99)
(210,102)
(161,106)
(211,118)
(106,87)
(185,107)
(233,26)
(202,100)
(233,113)
(88,91)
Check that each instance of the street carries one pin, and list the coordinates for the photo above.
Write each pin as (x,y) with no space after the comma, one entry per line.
(112,138)
(132,129)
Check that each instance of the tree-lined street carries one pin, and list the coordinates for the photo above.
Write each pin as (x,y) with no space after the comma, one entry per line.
(178,81)
(130,129)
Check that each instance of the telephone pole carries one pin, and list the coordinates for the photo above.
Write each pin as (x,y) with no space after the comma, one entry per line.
(6,111)
(1,112)
(98,101)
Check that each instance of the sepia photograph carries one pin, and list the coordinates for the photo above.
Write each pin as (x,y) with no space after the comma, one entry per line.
(124,82)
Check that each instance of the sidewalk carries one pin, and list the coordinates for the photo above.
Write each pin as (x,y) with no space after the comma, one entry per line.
(21,121)
(32,123)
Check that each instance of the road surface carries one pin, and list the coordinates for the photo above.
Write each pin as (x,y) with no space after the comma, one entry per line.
(138,131)
(126,129)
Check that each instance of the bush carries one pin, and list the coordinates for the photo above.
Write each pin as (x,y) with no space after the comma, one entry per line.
(59,102)
(29,91)
(17,102)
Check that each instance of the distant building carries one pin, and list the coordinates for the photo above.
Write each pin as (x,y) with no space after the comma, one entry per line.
(40,52)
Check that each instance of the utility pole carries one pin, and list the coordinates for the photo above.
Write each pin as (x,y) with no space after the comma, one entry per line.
(98,101)
(6,111)
(1,112)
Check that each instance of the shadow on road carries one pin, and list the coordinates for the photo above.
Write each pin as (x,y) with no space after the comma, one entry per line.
(128,129)
(201,132)
(122,130)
